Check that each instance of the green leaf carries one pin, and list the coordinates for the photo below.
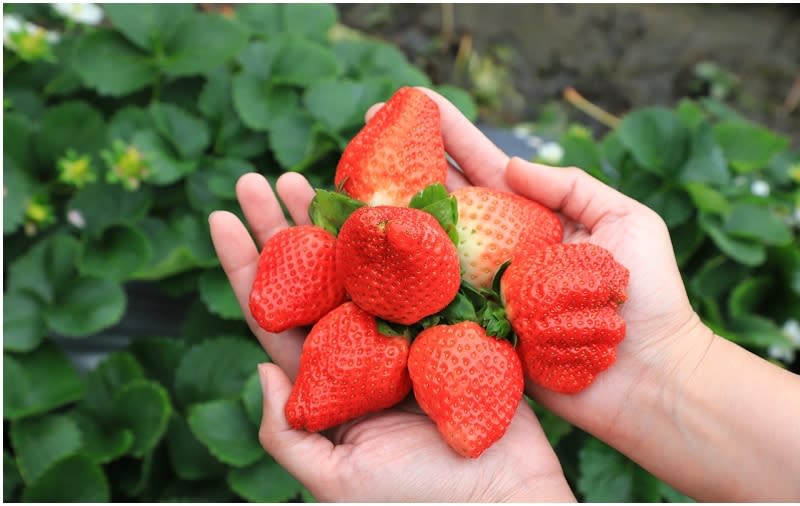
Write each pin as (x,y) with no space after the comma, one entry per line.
(296,141)
(217,294)
(754,330)
(132,70)
(605,474)
(756,222)
(309,20)
(148,25)
(673,205)
(37,382)
(215,491)
(329,210)
(11,478)
(669,494)
(341,104)
(253,398)
(143,407)
(258,58)
(203,43)
(88,306)
(716,276)
(126,121)
(460,98)
(19,135)
(657,139)
(73,479)
(686,240)
(428,196)
(117,370)
(302,62)
(743,251)
(180,244)
(104,205)
(159,356)
(690,113)
(17,190)
(581,151)
(71,125)
(190,459)
(46,268)
(104,443)
(223,173)
(264,481)
(23,322)
(259,103)
(200,324)
(116,254)
(707,199)
(748,146)
(216,368)
(167,167)
(748,294)
(41,442)
(459,310)
(706,163)
(187,134)
(223,427)
(261,19)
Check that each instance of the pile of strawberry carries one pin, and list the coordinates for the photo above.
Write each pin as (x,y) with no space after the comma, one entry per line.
(452,296)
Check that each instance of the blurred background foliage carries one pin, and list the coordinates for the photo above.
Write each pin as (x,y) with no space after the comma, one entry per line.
(129,374)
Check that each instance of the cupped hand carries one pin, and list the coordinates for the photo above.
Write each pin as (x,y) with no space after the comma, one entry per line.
(396,455)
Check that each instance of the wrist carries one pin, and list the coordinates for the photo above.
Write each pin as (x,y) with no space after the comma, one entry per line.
(544,489)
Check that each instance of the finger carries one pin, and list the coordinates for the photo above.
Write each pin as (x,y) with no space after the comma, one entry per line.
(296,193)
(303,454)
(260,206)
(372,110)
(570,191)
(455,179)
(239,258)
(481,161)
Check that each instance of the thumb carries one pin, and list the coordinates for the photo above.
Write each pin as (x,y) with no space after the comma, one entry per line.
(571,191)
(301,453)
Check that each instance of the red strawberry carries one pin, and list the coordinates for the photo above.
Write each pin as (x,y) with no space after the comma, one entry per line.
(562,303)
(469,383)
(399,152)
(347,369)
(296,282)
(492,223)
(397,263)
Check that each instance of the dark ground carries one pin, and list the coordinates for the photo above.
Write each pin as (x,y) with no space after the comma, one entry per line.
(617,56)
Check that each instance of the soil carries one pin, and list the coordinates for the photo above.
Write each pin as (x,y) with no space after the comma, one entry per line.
(617,56)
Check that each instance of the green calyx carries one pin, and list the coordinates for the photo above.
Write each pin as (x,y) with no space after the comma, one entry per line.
(330,210)
(435,201)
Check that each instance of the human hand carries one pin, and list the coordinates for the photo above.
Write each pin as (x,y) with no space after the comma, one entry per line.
(398,454)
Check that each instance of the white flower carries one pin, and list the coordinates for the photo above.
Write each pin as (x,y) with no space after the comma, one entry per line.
(76,218)
(759,188)
(11,24)
(86,13)
(521,131)
(792,330)
(783,353)
(551,152)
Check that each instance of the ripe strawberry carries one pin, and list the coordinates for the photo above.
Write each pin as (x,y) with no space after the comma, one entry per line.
(397,263)
(492,223)
(296,281)
(399,152)
(347,369)
(469,383)
(562,302)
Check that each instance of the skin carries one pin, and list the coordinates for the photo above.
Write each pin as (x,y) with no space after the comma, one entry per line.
(708,417)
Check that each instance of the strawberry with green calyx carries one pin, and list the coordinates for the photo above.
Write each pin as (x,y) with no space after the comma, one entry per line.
(397,153)
(329,210)
(493,224)
(347,369)
(562,302)
(296,281)
(397,263)
(469,383)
